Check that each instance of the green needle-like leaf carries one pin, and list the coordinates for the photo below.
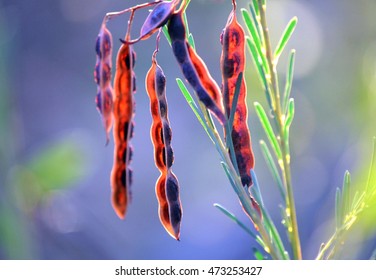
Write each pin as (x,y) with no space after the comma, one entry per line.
(235,99)
(188,97)
(268,129)
(285,38)
(255,17)
(191,41)
(255,38)
(255,190)
(186,23)
(260,70)
(230,122)
(290,114)
(256,7)
(289,78)
(273,168)
(239,223)
(165,32)
(257,254)
(346,195)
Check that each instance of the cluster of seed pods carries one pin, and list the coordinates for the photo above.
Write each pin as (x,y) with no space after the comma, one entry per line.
(121,106)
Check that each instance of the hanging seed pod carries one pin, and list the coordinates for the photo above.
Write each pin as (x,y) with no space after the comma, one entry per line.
(124,86)
(232,64)
(102,77)
(193,68)
(167,186)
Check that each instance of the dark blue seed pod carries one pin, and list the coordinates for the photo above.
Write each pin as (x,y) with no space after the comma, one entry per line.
(172,189)
(157,18)
(175,215)
(176,28)
(179,43)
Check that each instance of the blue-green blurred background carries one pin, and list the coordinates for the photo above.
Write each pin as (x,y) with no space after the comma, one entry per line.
(54,166)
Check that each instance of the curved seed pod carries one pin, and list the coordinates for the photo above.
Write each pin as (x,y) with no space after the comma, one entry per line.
(167,186)
(124,86)
(102,77)
(194,71)
(206,79)
(157,18)
(232,63)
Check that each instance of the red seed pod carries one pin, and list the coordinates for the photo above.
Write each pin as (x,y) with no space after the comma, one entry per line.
(102,77)
(206,79)
(232,64)
(193,68)
(167,186)
(124,86)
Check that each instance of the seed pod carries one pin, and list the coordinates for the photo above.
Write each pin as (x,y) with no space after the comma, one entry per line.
(232,64)
(102,77)
(157,18)
(124,86)
(167,186)
(193,68)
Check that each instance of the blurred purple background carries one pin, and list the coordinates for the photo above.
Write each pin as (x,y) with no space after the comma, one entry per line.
(47,100)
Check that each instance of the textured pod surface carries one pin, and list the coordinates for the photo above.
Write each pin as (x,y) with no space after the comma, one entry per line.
(206,79)
(167,186)
(208,96)
(124,86)
(102,77)
(232,64)
(157,18)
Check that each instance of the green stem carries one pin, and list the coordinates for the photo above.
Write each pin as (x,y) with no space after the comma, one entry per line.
(279,118)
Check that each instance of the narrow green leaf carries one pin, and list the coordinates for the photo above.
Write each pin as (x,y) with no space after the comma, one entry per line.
(289,79)
(346,195)
(260,70)
(256,60)
(285,38)
(186,4)
(287,124)
(188,97)
(235,99)
(273,168)
(165,32)
(338,209)
(255,189)
(191,41)
(186,23)
(230,122)
(255,7)
(255,15)
(268,129)
(290,114)
(255,38)
(257,254)
(238,222)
